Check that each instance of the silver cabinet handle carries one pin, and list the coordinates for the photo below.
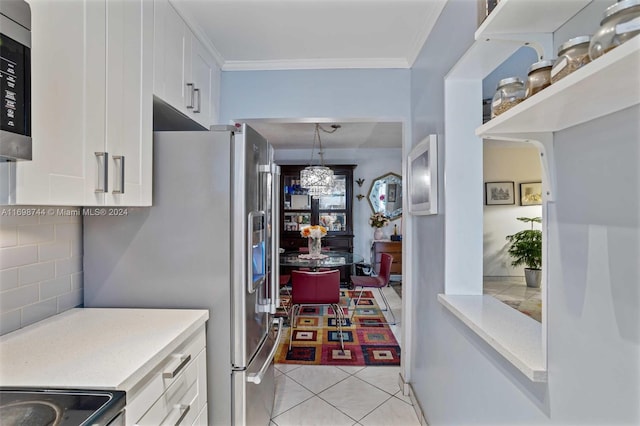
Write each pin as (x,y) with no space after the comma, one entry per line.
(184,360)
(197,92)
(119,159)
(102,187)
(191,89)
(180,411)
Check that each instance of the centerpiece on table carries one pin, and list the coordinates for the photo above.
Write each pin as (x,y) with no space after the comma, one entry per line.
(314,234)
(378,221)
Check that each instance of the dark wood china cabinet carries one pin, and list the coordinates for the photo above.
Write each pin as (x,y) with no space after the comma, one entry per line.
(334,212)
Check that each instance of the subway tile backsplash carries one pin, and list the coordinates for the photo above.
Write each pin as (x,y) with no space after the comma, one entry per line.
(40,263)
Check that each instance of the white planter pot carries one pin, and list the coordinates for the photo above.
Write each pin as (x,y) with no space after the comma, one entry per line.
(533,277)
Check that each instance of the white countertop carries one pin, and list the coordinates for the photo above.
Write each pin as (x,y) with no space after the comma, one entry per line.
(517,337)
(94,348)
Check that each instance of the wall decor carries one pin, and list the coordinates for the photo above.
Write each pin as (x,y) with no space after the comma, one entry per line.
(385,195)
(359,197)
(423,177)
(530,193)
(360,181)
(499,193)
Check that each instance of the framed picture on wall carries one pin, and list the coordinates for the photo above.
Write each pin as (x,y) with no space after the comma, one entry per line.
(499,193)
(423,177)
(531,193)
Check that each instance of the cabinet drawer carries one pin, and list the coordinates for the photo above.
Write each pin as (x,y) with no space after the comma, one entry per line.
(202,419)
(183,400)
(181,363)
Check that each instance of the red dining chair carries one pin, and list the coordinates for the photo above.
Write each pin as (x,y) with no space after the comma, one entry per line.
(378,281)
(316,288)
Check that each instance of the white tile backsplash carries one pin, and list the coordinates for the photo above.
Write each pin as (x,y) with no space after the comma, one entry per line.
(40,265)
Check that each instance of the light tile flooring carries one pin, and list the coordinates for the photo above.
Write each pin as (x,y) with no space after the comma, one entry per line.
(515,293)
(327,395)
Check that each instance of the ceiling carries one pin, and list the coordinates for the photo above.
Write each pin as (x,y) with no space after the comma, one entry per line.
(315,34)
(362,135)
(312,34)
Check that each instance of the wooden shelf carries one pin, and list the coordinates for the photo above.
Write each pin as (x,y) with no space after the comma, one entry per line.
(527,16)
(604,86)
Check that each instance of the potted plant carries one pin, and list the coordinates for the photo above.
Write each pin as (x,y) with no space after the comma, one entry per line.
(378,220)
(526,249)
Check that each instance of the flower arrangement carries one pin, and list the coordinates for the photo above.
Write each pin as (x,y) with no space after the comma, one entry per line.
(378,220)
(314,231)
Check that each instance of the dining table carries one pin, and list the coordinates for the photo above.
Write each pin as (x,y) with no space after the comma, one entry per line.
(331,259)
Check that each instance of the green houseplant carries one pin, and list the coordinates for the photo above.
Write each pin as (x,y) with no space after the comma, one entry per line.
(526,249)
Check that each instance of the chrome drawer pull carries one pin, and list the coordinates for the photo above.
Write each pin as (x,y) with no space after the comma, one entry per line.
(180,410)
(184,360)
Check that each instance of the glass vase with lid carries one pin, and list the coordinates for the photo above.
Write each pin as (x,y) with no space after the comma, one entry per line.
(620,22)
(572,55)
(510,92)
(539,77)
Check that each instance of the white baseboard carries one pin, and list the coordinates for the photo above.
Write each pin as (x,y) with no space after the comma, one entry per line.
(408,390)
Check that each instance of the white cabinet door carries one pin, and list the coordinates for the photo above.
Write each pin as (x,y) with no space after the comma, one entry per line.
(129,113)
(172,63)
(67,105)
(203,74)
(186,75)
(91,100)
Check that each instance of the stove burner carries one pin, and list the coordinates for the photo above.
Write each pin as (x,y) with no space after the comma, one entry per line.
(27,413)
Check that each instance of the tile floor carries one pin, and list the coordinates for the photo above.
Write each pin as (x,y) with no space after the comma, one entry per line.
(515,293)
(327,395)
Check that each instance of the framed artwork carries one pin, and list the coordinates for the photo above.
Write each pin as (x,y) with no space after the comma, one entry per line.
(499,193)
(423,177)
(531,193)
(391,192)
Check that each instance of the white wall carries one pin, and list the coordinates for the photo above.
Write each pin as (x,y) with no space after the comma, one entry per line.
(366,95)
(371,163)
(40,264)
(593,297)
(515,164)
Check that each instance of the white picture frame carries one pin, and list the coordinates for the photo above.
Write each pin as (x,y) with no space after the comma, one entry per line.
(422,165)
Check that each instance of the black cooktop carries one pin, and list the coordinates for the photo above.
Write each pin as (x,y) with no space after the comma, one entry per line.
(58,407)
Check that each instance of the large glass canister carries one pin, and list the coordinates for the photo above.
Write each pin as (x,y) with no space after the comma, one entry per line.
(572,54)
(510,92)
(620,23)
(538,78)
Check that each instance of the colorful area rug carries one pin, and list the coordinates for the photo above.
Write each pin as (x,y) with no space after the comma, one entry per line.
(367,340)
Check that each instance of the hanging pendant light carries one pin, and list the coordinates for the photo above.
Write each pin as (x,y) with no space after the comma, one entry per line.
(318,180)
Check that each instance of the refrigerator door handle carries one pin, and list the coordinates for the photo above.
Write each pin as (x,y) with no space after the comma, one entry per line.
(257,377)
(275,238)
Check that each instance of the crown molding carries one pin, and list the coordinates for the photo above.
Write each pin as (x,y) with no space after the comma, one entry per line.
(306,64)
(422,36)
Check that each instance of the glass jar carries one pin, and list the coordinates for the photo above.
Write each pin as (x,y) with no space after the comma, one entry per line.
(620,23)
(510,92)
(539,77)
(572,54)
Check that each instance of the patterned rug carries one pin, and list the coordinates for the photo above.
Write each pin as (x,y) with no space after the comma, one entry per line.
(367,341)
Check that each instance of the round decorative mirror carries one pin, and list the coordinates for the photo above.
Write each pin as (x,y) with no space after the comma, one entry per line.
(385,195)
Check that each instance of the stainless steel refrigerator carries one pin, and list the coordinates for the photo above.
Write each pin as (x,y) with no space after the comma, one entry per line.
(208,242)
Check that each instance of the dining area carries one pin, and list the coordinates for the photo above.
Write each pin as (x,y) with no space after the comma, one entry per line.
(334,295)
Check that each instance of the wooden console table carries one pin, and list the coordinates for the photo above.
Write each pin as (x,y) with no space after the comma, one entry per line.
(394,248)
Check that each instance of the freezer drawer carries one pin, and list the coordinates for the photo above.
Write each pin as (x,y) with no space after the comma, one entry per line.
(253,389)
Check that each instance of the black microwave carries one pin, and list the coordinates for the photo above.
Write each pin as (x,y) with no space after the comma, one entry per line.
(15,80)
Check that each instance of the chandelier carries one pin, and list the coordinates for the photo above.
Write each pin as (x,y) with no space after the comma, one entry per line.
(318,180)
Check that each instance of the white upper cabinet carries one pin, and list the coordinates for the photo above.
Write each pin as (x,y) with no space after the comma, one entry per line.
(92,105)
(185,73)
